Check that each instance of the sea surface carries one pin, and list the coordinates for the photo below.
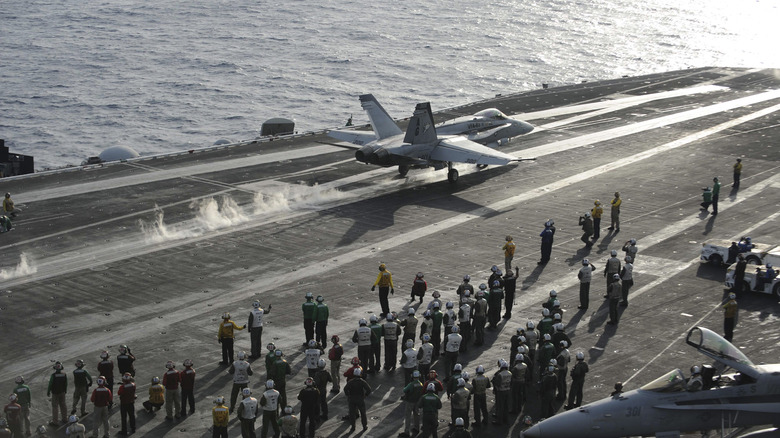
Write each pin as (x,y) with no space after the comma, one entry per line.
(77,77)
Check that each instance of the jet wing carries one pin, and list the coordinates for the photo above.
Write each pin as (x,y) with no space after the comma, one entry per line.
(459,149)
(354,137)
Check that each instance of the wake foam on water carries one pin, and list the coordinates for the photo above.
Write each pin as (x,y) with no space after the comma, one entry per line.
(25,267)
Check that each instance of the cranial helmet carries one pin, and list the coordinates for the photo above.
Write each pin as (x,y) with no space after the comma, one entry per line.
(467,278)
(457,367)
(271,346)
(454,329)
(420,275)
(461,382)
(335,339)
(19,380)
(553,293)
(241,355)
(170,364)
(426,337)
(628,259)
(355,360)
(321,363)
(219,400)
(480,369)
(482,286)
(436,294)
(436,304)
(416,374)
(431,387)
(616,276)
(278,353)
(409,343)
(372,318)
(410,311)
(357,372)
(450,305)
(390,317)
(187,362)
(309,381)
(529,325)
(226,315)
(320,298)
(126,377)
(269,384)
(155,380)
(104,355)
(246,392)
(73,419)
(309,295)
(288,410)
(613,253)
(585,262)
(547,337)
(312,343)
(545,312)
(256,304)
(580,355)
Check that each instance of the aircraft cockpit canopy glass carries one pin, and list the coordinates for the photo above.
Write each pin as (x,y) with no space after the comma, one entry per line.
(492,113)
(707,340)
(673,381)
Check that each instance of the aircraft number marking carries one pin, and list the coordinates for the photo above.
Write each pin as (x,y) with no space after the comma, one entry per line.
(471,161)
(633,411)
(424,156)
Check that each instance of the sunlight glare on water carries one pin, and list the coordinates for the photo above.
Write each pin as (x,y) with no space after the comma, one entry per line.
(162,77)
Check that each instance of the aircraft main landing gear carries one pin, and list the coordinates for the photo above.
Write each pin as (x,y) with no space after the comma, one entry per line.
(452,174)
(403,169)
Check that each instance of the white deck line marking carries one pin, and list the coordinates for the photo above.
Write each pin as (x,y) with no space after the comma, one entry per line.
(164,174)
(617,104)
(176,313)
(655,123)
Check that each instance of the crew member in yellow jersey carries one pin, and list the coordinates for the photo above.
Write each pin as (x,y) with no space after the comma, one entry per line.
(615,213)
(156,396)
(385,282)
(737,172)
(596,213)
(509,253)
(220,416)
(225,337)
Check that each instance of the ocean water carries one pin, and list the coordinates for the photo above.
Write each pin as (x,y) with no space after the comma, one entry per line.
(79,77)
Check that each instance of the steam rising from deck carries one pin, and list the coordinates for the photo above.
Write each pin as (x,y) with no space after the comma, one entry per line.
(23,268)
(212,214)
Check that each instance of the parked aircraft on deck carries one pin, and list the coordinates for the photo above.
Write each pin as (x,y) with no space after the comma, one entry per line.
(469,139)
(669,405)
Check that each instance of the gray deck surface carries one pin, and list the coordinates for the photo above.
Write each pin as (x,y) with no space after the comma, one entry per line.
(87,269)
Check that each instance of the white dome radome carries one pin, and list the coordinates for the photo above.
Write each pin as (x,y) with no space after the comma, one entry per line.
(117,153)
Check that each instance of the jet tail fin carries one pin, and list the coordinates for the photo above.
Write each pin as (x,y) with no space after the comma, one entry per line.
(384,126)
(421,129)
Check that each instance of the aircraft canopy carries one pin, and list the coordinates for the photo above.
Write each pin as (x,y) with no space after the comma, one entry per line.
(706,340)
(492,113)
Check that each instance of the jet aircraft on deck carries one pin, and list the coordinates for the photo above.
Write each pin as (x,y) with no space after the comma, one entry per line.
(469,139)
(669,405)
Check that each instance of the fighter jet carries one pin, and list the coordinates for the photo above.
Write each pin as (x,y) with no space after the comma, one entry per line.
(467,139)
(672,404)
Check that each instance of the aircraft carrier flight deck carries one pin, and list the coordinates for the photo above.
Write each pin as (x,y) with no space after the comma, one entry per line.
(152,251)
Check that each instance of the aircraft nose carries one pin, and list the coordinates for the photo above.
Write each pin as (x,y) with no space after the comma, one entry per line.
(532,432)
(526,127)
